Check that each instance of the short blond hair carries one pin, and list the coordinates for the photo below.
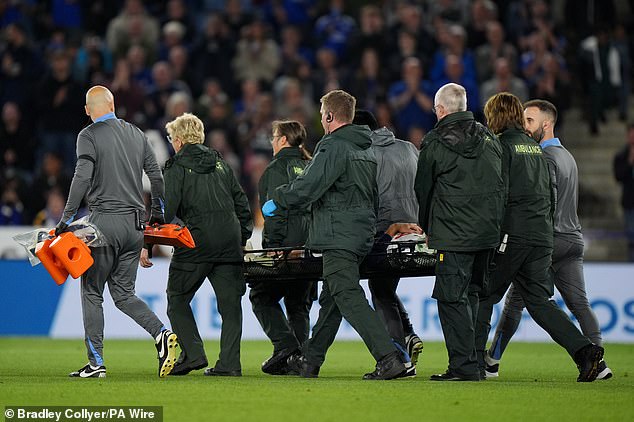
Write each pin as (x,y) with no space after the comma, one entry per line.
(339,103)
(188,128)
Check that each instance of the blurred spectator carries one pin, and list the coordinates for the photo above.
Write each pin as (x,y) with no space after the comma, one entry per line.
(236,18)
(51,175)
(246,105)
(128,94)
(257,55)
(60,101)
(328,75)
(410,21)
(369,82)
(371,34)
(212,53)
(624,174)
(495,47)
(412,99)
(553,84)
(291,99)
(254,133)
(173,34)
(133,26)
(333,29)
(52,213)
(20,66)
(621,43)
(602,65)
(139,69)
(11,207)
(178,58)
(212,93)
(504,81)
(177,11)
(482,13)
(293,51)
(454,71)
(406,47)
(383,114)
(164,86)
(584,15)
(93,60)
(453,42)
(17,144)
(535,58)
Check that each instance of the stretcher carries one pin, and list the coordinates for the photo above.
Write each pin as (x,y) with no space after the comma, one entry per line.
(402,259)
(63,255)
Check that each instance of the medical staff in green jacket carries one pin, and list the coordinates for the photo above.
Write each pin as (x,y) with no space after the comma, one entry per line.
(525,254)
(284,229)
(340,186)
(460,192)
(202,191)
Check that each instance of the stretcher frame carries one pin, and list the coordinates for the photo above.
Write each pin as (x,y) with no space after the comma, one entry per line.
(403,260)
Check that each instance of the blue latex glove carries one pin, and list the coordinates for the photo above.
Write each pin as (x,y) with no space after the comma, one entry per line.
(268,208)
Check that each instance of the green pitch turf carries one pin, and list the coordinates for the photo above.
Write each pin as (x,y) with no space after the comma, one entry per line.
(537,382)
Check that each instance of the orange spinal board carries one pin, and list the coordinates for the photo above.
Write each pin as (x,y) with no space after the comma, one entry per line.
(73,254)
(52,264)
(169,234)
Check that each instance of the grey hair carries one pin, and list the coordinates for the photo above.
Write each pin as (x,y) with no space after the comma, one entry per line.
(452,97)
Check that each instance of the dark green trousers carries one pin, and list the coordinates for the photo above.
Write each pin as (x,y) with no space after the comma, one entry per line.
(342,296)
(229,286)
(527,267)
(460,277)
(285,332)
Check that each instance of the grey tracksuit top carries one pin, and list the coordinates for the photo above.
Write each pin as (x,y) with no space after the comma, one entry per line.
(112,155)
(396,172)
(565,181)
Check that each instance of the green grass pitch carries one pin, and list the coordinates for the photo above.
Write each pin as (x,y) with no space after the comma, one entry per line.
(537,382)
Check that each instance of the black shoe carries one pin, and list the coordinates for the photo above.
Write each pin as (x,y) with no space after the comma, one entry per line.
(166,345)
(298,365)
(452,376)
(604,372)
(587,359)
(388,367)
(184,367)
(213,372)
(89,371)
(277,363)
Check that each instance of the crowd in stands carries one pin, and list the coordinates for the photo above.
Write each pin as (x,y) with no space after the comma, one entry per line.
(240,64)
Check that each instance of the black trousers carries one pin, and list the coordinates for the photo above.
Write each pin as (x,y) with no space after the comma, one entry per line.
(285,331)
(460,277)
(527,267)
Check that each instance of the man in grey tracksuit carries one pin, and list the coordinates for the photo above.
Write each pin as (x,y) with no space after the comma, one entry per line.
(566,269)
(111,158)
(397,161)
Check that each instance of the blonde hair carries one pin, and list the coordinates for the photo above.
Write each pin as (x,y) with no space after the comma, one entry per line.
(504,111)
(188,128)
(340,104)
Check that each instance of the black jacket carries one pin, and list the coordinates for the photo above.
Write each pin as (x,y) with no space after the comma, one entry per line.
(201,190)
(459,185)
